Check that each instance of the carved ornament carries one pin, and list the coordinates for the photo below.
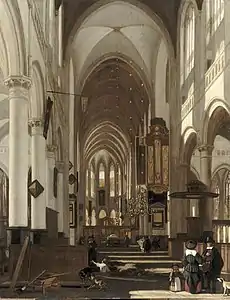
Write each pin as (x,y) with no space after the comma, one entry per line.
(36,123)
(205,148)
(51,148)
(18,81)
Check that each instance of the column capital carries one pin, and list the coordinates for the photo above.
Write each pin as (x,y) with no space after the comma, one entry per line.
(21,81)
(60,166)
(36,122)
(36,125)
(205,148)
(184,165)
(51,148)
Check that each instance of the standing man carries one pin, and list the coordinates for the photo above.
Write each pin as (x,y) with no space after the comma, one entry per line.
(212,266)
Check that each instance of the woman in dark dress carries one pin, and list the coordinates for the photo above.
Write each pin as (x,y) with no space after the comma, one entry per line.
(191,261)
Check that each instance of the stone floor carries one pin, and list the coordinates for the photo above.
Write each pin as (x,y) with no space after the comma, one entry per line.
(150,283)
(117,288)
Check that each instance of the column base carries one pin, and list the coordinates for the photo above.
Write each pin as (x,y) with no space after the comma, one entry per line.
(17,235)
(37,236)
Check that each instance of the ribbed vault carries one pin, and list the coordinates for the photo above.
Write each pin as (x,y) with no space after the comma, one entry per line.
(114,50)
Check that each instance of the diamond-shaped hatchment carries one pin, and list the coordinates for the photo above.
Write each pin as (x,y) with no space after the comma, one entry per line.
(72,179)
(35,188)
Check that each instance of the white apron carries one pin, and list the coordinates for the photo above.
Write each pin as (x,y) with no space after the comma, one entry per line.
(175,285)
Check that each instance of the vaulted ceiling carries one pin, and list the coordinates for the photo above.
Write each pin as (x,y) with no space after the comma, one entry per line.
(114,48)
(166,10)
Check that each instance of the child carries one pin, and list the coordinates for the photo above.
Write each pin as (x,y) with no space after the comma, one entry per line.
(175,279)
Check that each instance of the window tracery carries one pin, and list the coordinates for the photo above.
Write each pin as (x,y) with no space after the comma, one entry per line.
(227,197)
(119,181)
(216,201)
(112,180)
(92,183)
(188,43)
(102,175)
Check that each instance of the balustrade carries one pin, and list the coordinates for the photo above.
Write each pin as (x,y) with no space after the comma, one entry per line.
(215,70)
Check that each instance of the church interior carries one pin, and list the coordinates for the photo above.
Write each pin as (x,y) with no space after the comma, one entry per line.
(106,109)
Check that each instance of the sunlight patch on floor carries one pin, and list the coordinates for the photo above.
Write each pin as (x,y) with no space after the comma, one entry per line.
(131,252)
(139,256)
(147,261)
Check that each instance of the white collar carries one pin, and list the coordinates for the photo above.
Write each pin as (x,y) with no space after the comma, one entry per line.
(190,252)
(209,248)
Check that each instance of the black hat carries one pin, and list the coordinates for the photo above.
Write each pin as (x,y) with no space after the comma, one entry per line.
(191,245)
(210,240)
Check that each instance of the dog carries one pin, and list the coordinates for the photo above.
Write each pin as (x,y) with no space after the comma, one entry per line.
(96,283)
(226,286)
(86,274)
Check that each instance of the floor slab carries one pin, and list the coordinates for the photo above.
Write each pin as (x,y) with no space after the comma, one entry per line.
(165,295)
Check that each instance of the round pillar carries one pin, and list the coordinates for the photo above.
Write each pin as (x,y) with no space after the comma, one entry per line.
(206,205)
(38,166)
(18,150)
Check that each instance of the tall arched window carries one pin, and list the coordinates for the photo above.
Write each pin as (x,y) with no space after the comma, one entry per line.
(3,202)
(216,201)
(87,183)
(188,43)
(119,181)
(208,20)
(227,197)
(218,12)
(214,15)
(112,181)
(189,40)
(92,182)
(102,175)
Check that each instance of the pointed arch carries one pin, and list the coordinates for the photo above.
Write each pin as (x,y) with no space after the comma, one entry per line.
(38,91)
(13,32)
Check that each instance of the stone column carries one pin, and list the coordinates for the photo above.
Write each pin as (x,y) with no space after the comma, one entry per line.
(146,224)
(206,205)
(60,196)
(38,166)
(18,150)
(141,225)
(184,204)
